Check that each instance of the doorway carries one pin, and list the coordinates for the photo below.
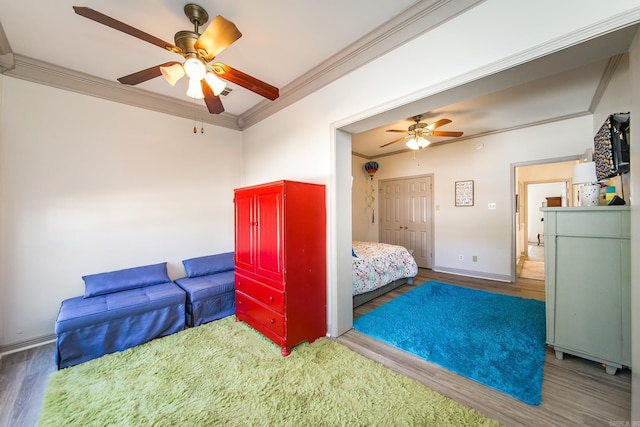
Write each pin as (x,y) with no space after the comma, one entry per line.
(537,184)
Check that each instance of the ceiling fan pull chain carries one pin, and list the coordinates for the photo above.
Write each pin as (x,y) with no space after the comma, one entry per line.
(195,118)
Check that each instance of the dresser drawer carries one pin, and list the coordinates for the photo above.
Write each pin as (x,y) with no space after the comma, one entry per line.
(247,306)
(265,294)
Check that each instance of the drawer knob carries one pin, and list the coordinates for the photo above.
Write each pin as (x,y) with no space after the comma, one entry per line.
(271,299)
(273,321)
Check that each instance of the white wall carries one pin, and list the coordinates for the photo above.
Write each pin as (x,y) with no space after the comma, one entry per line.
(478,230)
(616,98)
(363,229)
(518,32)
(93,186)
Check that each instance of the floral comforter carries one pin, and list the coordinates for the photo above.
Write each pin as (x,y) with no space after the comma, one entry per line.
(377,264)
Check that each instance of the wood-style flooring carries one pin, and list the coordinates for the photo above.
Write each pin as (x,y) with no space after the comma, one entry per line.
(575,392)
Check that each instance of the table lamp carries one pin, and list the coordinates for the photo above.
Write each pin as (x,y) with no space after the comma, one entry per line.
(584,174)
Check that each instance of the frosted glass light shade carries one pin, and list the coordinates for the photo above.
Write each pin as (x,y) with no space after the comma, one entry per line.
(584,173)
(417,143)
(195,89)
(217,85)
(422,143)
(172,73)
(413,144)
(194,68)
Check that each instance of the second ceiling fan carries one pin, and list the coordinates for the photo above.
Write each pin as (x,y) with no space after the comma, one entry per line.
(199,50)
(417,133)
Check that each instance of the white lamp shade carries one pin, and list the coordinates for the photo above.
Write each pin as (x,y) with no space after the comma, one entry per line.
(217,85)
(584,173)
(195,89)
(413,144)
(194,68)
(172,73)
(422,142)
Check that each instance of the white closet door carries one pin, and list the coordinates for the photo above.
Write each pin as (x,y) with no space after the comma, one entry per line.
(406,216)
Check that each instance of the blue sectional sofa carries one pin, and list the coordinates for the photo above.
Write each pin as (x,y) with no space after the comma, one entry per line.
(209,288)
(119,310)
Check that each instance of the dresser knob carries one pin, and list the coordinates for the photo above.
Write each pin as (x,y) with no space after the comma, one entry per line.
(271,299)
(273,321)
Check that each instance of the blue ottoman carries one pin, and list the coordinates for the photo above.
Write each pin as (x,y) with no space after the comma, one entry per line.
(120,310)
(209,288)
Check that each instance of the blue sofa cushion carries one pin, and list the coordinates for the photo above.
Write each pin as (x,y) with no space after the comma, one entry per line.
(210,264)
(123,280)
(203,287)
(80,312)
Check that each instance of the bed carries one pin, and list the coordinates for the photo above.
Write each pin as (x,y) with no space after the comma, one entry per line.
(379,268)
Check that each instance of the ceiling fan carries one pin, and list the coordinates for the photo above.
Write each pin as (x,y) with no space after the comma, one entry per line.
(199,50)
(417,133)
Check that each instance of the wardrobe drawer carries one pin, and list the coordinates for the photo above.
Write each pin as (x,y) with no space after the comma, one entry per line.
(265,294)
(247,306)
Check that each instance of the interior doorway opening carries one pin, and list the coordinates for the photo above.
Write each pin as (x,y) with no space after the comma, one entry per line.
(538,184)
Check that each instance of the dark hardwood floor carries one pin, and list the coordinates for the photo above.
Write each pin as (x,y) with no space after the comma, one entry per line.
(575,392)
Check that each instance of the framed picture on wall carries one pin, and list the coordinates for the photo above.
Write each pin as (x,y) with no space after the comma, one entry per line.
(464,193)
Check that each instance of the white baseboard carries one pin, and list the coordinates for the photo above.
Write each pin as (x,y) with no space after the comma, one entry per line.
(24,345)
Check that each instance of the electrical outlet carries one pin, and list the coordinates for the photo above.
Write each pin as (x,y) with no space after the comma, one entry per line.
(461,257)
(475,258)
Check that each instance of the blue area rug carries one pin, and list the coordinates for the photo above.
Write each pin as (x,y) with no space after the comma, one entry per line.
(494,339)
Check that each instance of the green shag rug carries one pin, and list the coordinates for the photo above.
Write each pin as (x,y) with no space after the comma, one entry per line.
(225,373)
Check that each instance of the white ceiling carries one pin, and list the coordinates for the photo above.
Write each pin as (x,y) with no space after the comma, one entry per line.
(281,45)
(280,41)
(563,85)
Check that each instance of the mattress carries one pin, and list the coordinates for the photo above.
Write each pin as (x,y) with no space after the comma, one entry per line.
(377,264)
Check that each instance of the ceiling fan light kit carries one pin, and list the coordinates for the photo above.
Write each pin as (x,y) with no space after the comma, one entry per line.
(194,68)
(217,85)
(418,143)
(198,49)
(417,132)
(195,89)
(172,73)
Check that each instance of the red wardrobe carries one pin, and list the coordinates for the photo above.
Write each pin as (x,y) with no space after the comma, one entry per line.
(280,261)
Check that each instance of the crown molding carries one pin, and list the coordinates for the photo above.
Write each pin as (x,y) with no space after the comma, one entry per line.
(44,73)
(413,22)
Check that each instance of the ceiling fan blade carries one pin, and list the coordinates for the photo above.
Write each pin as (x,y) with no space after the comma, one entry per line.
(144,75)
(103,19)
(438,123)
(245,80)
(214,104)
(218,36)
(396,130)
(392,142)
(439,133)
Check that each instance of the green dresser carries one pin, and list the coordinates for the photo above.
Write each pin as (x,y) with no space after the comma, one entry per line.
(588,283)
